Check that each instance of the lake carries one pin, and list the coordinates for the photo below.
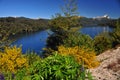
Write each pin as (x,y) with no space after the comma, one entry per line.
(37,40)
(92,31)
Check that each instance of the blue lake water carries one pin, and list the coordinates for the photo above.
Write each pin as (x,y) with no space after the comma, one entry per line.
(37,40)
(93,31)
(32,41)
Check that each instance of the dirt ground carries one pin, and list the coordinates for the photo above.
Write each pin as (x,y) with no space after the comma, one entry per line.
(109,68)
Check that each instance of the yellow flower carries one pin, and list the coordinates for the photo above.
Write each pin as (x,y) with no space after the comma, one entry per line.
(81,54)
(12,59)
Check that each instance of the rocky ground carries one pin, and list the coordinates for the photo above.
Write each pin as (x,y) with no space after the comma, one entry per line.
(109,68)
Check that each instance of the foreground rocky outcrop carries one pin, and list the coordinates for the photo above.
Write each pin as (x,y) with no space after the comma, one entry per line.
(109,68)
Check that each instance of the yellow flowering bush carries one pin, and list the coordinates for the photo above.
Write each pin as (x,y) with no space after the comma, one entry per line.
(82,55)
(12,59)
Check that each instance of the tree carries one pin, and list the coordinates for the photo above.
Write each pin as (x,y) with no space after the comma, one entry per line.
(66,20)
(70,8)
(60,24)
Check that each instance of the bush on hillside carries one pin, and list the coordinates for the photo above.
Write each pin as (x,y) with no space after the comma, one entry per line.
(54,67)
(115,37)
(11,60)
(78,39)
(116,34)
(32,57)
(55,40)
(102,43)
(83,55)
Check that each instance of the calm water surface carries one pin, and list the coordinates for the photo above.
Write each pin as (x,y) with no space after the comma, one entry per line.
(32,41)
(36,41)
(95,30)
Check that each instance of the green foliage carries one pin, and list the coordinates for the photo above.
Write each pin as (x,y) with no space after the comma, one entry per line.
(4,37)
(7,76)
(32,57)
(61,24)
(115,37)
(68,19)
(78,39)
(118,23)
(56,39)
(54,67)
(61,28)
(116,34)
(70,8)
(102,43)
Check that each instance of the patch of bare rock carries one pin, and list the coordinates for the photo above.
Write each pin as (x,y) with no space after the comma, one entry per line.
(109,68)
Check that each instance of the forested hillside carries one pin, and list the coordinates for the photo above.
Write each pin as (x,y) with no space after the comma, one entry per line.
(22,24)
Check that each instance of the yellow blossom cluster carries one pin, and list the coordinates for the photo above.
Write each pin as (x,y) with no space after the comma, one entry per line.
(12,59)
(83,55)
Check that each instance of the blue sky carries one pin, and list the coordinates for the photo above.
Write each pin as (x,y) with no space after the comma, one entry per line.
(47,8)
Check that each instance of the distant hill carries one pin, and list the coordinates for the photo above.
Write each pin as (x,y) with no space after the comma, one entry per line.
(15,25)
(91,21)
(26,24)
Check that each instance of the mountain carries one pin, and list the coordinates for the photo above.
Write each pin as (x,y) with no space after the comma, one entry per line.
(102,17)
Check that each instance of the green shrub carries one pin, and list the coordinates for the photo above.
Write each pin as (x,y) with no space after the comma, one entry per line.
(115,37)
(102,43)
(116,34)
(55,40)
(78,39)
(68,39)
(32,57)
(54,67)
